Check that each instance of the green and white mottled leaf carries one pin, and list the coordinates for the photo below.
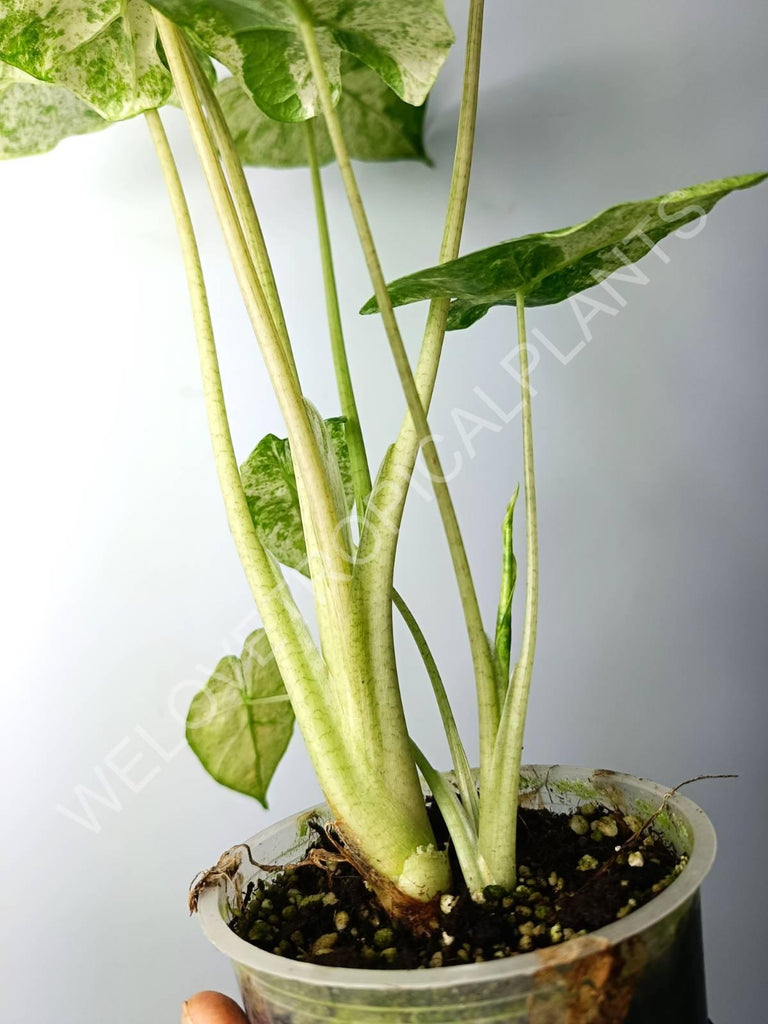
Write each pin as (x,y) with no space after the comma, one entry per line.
(258,40)
(35,116)
(240,723)
(103,51)
(269,481)
(404,41)
(377,124)
(554,265)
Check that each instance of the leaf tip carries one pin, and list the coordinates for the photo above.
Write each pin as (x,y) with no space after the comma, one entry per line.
(509,515)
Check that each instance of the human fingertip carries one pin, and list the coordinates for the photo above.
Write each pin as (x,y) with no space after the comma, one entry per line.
(211,1008)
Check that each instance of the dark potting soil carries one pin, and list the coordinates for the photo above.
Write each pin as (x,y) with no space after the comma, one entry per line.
(576,873)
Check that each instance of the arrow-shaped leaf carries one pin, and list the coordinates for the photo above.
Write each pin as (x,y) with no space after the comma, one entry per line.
(240,723)
(269,481)
(553,265)
(105,53)
(35,116)
(404,41)
(377,124)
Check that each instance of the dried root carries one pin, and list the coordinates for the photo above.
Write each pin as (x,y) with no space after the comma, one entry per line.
(630,844)
(227,868)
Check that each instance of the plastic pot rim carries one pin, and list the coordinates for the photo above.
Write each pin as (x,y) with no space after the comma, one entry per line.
(683,888)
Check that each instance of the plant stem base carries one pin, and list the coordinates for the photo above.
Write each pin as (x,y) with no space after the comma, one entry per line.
(645,969)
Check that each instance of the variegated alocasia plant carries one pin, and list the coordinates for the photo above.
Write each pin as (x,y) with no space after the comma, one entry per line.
(313,81)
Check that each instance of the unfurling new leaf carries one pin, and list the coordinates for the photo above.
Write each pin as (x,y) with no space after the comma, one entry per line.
(503,641)
(269,482)
(377,124)
(553,265)
(240,723)
(404,41)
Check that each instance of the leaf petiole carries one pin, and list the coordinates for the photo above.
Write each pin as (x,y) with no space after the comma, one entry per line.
(481,654)
(361,473)
(498,813)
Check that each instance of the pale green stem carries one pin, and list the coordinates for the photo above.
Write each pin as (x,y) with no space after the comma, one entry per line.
(371,813)
(304,446)
(394,481)
(329,560)
(498,819)
(361,474)
(464,777)
(379,541)
(384,719)
(243,199)
(465,144)
(482,657)
(362,478)
(458,823)
(278,611)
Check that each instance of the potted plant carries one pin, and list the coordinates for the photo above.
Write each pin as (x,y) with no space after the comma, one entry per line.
(436,883)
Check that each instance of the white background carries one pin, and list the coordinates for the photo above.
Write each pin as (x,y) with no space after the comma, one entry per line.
(120,586)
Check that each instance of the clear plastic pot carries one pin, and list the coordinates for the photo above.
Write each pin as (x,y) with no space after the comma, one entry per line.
(644,969)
